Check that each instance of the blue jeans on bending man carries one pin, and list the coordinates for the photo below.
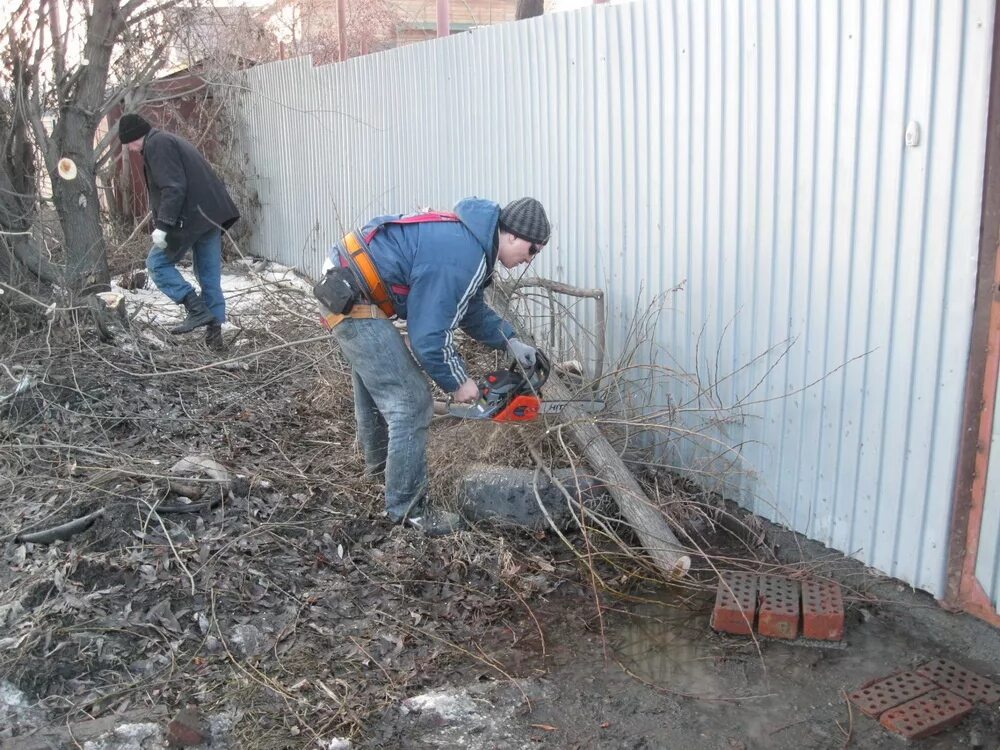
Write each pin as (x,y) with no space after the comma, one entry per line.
(393,408)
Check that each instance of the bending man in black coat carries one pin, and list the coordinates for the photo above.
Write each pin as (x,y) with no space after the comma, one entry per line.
(191,208)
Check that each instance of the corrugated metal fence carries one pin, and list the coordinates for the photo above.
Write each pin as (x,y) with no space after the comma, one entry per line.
(755,150)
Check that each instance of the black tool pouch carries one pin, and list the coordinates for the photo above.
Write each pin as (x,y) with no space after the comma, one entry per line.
(336,292)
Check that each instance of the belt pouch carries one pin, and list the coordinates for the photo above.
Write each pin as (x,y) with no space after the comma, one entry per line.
(336,291)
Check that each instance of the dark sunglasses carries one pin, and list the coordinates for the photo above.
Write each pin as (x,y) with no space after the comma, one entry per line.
(535,249)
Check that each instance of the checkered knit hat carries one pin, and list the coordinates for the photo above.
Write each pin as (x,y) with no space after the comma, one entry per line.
(525,218)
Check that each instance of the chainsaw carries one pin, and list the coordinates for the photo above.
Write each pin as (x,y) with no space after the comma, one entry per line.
(515,395)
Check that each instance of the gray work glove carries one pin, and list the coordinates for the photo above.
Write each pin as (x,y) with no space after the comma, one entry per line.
(159,238)
(523,353)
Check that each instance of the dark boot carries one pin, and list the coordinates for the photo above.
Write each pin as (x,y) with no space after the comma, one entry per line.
(198,314)
(213,337)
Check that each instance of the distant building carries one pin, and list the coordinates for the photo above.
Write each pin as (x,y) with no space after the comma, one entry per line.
(311,26)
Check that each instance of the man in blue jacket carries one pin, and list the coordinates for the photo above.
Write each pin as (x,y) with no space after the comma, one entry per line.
(431,270)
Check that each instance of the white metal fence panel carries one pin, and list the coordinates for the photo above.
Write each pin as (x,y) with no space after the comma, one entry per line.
(754,150)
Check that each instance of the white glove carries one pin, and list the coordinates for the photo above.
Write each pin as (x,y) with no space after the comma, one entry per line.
(523,353)
(159,238)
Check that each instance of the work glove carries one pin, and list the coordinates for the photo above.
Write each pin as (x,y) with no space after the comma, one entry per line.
(159,238)
(523,353)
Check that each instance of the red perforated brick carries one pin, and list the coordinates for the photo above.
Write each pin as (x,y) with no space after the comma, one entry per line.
(969,685)
(735,603)
(778,611)
(926,715)
(889,692)
(822,611)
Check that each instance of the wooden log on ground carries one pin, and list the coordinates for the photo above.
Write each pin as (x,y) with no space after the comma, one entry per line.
(648,521)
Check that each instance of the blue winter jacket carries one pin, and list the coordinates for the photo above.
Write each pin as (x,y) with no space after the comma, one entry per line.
(447,266)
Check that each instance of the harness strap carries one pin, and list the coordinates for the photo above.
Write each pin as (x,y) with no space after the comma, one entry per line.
(362,264)
(424,218)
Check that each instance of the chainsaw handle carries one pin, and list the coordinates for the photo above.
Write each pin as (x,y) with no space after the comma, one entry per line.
(539,372)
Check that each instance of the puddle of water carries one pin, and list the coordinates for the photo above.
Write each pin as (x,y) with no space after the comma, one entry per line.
(666,643)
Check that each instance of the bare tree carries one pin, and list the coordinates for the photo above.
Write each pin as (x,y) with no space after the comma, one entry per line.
(57,56)
(309,27)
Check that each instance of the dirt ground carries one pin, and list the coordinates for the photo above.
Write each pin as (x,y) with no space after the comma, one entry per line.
(283,606)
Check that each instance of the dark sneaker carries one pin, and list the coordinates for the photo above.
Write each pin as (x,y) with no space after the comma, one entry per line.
(437,522)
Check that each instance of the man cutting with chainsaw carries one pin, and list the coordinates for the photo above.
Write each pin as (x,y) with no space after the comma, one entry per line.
(432,270)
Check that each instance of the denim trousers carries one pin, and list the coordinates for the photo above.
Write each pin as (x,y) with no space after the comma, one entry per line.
(207,256)
(393,409)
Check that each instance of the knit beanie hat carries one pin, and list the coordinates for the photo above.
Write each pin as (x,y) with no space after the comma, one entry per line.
(525,218)
(132,128)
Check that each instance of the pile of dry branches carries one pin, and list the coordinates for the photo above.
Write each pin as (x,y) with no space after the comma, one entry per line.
(267,587)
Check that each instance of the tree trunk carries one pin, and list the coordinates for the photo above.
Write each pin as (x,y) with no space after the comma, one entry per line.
(19,192)
(529,9)
(77,200)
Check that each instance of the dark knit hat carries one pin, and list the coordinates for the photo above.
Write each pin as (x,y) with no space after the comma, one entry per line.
(525,218)
(132,128)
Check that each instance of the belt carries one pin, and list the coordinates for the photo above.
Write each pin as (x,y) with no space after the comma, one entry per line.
(332,320)
(363,265)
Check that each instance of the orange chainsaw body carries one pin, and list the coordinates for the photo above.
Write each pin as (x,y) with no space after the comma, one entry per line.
(522,408)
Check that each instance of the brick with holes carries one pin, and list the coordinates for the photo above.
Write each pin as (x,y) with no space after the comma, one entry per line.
(969,685)
(822,610)
(778,608)
(926,715)
(735,603)
(883,693)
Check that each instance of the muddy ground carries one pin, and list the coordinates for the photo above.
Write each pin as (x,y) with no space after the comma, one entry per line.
(284,608)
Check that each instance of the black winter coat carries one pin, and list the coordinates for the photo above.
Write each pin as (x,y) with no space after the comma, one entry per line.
(185,194)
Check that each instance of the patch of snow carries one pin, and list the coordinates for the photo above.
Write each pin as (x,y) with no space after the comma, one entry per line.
(143,736)
(477,717)
(447,705)
(16,712)
(248,286)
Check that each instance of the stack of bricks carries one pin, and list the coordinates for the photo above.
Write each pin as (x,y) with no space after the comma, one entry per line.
(779,607)
(925,701)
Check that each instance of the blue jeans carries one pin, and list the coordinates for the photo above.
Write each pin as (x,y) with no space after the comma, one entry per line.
(393,408)
(207,256)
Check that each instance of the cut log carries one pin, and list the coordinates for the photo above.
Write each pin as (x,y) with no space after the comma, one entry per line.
(646,520)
